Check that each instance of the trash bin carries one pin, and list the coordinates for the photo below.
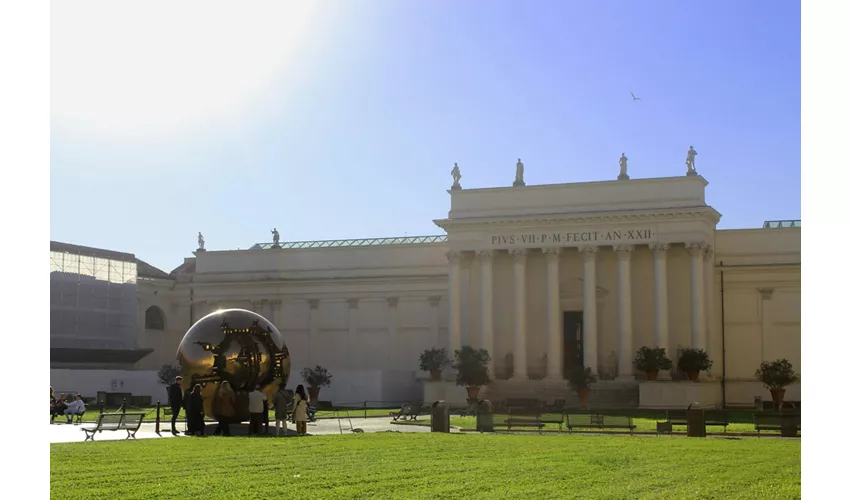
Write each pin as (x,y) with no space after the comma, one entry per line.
(440,417)
(695,418)
(484,416)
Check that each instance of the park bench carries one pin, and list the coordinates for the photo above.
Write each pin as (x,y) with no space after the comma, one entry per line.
(129,422)
(775,422)
(409,411)
(713,418)
(596,421)
(76,418)
(525,404)
(518,419)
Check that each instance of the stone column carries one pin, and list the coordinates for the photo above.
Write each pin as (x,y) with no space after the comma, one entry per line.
(624,309)
(697,295)
(520,358)
(434,301)
(352,333)
(392,332)
(591,341)
(314,330)
(485,257)
(662,317)
(554,336)
(708,281)
(454,301)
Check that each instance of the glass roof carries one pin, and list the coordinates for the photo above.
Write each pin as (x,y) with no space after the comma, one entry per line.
(364,242)
(781,223)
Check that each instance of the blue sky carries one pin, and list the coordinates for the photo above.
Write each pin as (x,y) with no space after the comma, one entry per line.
(344,122)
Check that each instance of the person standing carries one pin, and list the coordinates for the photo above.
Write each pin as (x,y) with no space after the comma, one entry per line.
(195,412)
(299,410)
(281,400)
(175,401)
(225,405)
(255,408)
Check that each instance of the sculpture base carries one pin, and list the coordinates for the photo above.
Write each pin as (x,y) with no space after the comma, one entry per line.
(623,177)
(692,173)
(519,184)
(456,186)
(276,245)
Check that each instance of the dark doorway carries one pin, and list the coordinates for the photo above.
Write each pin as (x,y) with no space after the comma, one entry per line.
(573,345)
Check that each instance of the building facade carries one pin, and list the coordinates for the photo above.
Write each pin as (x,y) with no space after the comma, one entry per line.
(545,278)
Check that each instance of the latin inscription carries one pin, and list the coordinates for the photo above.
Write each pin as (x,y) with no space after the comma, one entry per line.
(569,238)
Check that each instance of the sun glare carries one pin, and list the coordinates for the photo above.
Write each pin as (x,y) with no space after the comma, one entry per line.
(159,68)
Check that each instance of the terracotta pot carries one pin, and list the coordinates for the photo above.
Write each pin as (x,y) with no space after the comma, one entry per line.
(435,374)
(778,396)
(313,392)
(652,375)
(583,396)
(693,376)
(472,392)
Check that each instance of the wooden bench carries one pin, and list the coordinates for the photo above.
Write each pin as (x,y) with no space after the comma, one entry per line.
(526,404)
(786,423)
(409,411)
(129,422)
(714,418)
(596,421)
(512,420)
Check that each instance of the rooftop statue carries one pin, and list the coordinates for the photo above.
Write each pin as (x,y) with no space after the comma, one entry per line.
(624,161)
(200,241)
(456,176)
(520,173)
(689,161)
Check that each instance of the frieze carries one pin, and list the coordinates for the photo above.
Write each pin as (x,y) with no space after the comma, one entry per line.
(619,236)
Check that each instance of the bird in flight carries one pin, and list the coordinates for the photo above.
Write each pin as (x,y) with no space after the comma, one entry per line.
(633,97)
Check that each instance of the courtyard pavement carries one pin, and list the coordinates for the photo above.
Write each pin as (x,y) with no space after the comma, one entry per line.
(71,433)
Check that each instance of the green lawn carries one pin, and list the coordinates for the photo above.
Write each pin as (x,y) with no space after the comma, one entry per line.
(428,465)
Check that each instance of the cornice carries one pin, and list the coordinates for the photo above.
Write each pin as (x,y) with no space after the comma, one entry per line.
(582,218)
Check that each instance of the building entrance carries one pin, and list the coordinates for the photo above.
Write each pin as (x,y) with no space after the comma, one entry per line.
(573,340)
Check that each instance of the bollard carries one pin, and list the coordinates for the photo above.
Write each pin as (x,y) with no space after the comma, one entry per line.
(101,406)
(157,419)
(123,405)
(365,405)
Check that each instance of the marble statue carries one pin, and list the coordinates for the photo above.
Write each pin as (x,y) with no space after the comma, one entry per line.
(456,176)
(276,237)
(520,173)
(201,241)
(624,161)
(689,161)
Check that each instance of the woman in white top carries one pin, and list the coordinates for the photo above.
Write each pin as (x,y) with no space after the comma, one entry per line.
(299,410)
(75,407)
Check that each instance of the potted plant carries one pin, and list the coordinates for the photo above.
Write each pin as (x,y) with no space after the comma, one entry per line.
(316,378)
(776,375)
(651,360)
(471,366)
(580,379)
(692,361)
(434,361)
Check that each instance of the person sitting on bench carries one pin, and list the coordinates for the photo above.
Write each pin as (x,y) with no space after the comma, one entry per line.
(58,407)
(75,407)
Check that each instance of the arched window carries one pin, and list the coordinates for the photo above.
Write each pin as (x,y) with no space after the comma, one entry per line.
(154,319)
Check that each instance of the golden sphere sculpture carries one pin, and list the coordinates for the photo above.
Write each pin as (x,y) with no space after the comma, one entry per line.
(236,345)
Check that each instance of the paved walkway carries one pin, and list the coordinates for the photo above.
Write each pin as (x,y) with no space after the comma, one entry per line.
(70,433)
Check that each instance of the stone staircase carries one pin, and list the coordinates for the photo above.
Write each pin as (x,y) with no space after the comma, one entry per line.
(607,394)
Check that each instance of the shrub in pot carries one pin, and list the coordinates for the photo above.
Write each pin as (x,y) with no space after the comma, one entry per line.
(651,360)
(580,379)
(316,378)
(776,375)
(692,361)
(471,366)
(435,361)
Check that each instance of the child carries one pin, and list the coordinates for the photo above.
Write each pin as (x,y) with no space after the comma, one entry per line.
(299,410)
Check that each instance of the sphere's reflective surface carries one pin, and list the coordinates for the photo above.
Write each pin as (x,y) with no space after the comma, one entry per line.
(236,345)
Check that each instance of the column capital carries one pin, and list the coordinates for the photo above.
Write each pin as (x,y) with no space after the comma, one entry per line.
(485,255)
(314,303)
(766,293)
(659,249)
(519,255)
(624,252)
(275,303)
(552,253)
(697,249)
(453,256)
(352,303)
(434,300)
(257,302)
(709,252)
(588,254)
(392,302)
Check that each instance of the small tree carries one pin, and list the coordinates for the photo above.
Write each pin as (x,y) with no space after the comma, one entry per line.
(776,374)
(471,365)
(166,374)
(581,378)
(316,377)
(652,359)
(432,360)
(692,361)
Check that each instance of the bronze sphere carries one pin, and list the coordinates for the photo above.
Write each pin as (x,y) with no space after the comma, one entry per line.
(236,345)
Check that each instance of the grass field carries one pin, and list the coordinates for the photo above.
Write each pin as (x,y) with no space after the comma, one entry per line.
(395,465)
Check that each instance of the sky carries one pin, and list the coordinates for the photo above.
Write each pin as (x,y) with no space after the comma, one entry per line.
(343,118)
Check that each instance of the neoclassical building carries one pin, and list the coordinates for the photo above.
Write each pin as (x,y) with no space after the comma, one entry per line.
(545,278)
